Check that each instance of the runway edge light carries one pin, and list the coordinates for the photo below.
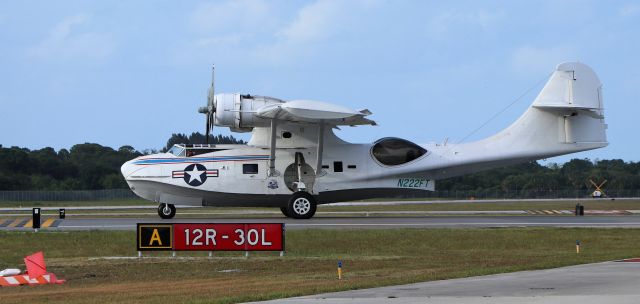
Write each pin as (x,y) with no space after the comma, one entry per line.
(578,246)
(35,214)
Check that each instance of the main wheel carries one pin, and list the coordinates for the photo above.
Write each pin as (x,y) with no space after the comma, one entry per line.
(284,211)
(302,205)
(166,211)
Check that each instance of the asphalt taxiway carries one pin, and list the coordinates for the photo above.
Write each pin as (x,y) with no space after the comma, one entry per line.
(609,282)
(120,223)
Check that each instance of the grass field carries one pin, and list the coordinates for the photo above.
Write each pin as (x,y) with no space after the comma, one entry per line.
(371,258)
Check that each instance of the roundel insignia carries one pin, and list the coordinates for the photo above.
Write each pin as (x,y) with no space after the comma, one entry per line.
(195,174)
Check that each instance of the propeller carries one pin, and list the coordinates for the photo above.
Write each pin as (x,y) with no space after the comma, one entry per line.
(210,109)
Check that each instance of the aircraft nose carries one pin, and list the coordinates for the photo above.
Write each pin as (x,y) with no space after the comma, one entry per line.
(127,168)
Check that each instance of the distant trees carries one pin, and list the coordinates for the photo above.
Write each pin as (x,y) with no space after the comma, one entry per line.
(198,138)
(85,166)
(92,166)
(572,175)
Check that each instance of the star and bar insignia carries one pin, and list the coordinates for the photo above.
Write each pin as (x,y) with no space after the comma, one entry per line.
(195,174)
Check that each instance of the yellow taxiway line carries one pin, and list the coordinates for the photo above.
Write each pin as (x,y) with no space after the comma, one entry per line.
(47,223)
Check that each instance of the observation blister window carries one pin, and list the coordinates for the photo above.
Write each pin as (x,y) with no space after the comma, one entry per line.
(393,151)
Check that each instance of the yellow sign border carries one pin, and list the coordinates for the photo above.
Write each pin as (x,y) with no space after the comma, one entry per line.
(170,226)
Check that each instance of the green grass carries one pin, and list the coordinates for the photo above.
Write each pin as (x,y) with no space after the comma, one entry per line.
(371,258)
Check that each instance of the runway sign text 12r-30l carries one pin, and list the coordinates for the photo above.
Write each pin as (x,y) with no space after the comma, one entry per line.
(211,237)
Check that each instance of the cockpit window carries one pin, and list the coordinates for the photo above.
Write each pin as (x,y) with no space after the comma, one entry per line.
(190,150)
(194,152)
(177,151)
(395,151)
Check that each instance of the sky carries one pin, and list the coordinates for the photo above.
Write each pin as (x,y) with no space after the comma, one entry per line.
(134,72)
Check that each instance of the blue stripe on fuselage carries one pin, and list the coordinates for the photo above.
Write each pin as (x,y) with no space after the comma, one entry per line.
(155,161)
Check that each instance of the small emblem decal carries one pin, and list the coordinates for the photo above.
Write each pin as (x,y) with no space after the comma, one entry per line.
(195,174)
(273,184)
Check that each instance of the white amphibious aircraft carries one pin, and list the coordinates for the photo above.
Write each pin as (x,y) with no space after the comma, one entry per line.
(295,161)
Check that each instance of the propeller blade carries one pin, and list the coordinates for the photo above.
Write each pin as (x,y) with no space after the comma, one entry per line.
(207,130)
(210,109)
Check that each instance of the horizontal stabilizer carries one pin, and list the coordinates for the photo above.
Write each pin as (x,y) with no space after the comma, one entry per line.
(561,107)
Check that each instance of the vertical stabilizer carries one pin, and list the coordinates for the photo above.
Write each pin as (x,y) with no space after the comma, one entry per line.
(567,116)
(575,93)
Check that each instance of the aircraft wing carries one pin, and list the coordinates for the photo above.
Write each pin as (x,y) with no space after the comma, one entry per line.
(311,111)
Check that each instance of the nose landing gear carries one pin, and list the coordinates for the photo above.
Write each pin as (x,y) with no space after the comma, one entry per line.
(166,211)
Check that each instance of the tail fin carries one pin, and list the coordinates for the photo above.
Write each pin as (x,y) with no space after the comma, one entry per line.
(575,92)
(566,117)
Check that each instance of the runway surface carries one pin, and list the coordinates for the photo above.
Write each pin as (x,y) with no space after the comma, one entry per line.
(609,282)
(119,223)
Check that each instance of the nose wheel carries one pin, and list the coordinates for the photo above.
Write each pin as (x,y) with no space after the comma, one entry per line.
(302,205)
(167,211)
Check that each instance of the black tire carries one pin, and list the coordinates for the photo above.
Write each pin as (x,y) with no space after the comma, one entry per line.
(284,211)
(302,205)
(166,211)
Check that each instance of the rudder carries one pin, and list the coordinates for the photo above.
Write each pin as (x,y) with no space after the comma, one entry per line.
(575,93)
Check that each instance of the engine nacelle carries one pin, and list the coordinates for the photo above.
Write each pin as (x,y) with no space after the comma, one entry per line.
(237,111)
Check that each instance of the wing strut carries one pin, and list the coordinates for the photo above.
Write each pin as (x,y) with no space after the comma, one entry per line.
(272,149)
(319,171)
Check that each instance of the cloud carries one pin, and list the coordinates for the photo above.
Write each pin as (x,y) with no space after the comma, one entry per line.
(257,31)
(448,21)
(230,16)
(67,41)
(227,31)
(314,22)
(314,25)
(630,9)
(528,59)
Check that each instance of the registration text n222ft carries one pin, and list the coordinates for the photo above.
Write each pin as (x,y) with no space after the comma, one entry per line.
(413,183)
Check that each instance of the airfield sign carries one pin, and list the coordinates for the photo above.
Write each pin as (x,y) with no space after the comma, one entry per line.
(155,237)
(211,237)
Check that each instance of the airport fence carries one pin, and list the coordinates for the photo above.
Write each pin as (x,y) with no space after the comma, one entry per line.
(74,195)
(519,194)
(121,194)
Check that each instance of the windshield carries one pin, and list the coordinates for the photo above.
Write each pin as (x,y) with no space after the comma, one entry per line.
(177,151)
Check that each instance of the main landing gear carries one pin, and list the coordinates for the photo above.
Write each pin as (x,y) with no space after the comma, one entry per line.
(166,211)
(302,205)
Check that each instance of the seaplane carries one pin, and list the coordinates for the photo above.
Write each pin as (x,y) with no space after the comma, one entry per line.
(294,160)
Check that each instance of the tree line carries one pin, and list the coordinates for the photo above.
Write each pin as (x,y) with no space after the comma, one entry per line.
(91,166)
(87,166)
(572,175)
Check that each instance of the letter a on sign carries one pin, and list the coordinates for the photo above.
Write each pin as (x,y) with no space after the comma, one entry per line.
(155,236)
